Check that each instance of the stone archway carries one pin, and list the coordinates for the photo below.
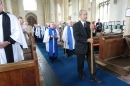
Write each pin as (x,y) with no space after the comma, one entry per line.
(31,18)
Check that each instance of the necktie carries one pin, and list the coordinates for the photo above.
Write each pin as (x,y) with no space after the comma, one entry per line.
(85,27)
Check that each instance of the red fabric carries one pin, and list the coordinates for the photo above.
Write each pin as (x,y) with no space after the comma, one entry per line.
(95,44)
(55,26)
(94,26)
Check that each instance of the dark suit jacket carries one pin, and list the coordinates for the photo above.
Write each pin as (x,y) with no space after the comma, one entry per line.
(81,36)
(98,24)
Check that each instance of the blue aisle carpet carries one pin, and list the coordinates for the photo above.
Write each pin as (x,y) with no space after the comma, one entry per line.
(66,71)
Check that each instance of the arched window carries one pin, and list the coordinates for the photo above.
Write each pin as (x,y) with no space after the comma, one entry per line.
(104,11)
(30,5)
(59,12)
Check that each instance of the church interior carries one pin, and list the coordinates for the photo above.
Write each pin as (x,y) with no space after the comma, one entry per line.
(111,45)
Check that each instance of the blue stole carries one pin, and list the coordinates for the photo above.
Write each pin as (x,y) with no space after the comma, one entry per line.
(40,33)
(70,41)
(51,43)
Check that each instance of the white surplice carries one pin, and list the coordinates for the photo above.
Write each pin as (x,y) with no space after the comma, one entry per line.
(65,37)
(47,38)
(17,35)
(37,32)
(44,30)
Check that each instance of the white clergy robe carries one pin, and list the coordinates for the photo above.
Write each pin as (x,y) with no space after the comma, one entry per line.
(16,35)
(39,32)
(65,37)
(47,38)
(44,29)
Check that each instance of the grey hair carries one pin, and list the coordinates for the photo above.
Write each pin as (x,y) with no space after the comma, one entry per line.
(69,21)
(80,12)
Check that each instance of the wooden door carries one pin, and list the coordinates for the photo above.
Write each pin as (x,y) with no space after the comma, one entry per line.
(31,20)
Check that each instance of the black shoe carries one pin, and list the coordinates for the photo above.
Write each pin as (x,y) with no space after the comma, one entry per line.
(81,77)
(94,79)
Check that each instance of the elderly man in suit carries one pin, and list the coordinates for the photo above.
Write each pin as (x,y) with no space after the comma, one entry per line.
(82,42)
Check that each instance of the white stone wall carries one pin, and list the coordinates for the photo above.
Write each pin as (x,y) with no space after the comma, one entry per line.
(74,9)
(117,11)
(8,4)
(38,13)
(52,11)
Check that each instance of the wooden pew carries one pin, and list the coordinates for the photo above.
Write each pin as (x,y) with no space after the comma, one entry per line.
(97,38)
(31,48)
(127,37)
(113,54)
(108,44)
(24,73)
(110,47)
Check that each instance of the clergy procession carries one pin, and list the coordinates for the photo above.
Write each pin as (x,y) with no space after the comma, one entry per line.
(72,48)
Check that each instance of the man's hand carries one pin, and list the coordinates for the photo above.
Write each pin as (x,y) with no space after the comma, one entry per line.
(92,26)
(51,36)
(90,40)
(56,37)
(4,44)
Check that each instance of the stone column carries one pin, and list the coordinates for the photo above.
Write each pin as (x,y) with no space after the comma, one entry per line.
(52,10)
(47,11)
(62,9)
(5,6)
(44,12)
(75,10)
(97,10)
(56,11)
(127,28)
(15,8)
(83,4)
(66,10)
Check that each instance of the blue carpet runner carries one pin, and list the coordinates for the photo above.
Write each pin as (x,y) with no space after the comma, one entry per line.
(66,71)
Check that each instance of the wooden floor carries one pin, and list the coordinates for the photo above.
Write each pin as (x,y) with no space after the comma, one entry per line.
(48,77)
